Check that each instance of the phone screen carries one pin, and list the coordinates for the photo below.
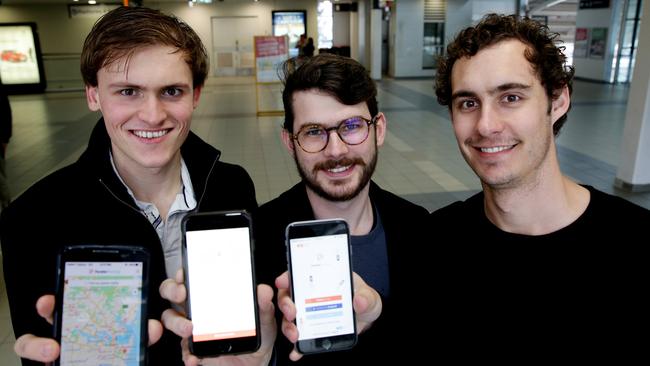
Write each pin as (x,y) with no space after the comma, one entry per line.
(102,313)
(222,303)
(322,291)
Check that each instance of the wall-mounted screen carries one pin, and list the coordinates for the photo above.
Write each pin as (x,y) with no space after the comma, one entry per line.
(291,23)
(21,65)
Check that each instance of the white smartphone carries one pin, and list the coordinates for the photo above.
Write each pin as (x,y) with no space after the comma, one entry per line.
(318,253)
(221,292)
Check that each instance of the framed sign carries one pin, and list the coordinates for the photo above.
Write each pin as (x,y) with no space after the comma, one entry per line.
(593,4)
(21,63)
(270,53)
(597,43)
(290,23)
(581,43)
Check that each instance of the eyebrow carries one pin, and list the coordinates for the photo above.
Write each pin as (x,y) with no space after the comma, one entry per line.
(127,84)
(499,89)
(337,122)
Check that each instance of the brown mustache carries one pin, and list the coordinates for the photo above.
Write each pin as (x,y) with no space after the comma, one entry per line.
(331,164)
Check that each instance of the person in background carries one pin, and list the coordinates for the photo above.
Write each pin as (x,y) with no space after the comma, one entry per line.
(142,172)
(300,44)
(544,267)
(308,49)
(333,129)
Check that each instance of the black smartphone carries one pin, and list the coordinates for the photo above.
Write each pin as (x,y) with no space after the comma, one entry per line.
(320,269)
(101,305)
(221,291)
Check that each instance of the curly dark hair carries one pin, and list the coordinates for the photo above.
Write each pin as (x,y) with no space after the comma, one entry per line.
(120,32)
(341,77)
(547,59)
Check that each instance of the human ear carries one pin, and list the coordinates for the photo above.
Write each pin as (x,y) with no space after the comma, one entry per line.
(92,98)
(287,140)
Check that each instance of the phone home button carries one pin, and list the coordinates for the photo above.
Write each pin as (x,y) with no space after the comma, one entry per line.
(327,344)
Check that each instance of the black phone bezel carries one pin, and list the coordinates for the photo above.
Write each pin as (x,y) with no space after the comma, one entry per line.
(221,220)
(306,229)
(104,253)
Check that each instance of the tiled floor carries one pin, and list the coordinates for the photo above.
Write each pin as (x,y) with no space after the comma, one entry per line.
(419,161)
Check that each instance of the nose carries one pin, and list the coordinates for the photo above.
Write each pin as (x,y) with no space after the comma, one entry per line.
(152,110)
(489,121)
(335,147)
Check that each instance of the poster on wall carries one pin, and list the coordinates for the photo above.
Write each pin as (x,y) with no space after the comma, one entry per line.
(270,53)
(291,23)
(598,43)
(581,43)
(21,66)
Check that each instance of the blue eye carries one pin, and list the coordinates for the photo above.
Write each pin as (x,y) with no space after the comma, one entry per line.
(314,131)
(351,125)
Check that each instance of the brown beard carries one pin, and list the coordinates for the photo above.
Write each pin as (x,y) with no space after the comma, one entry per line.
(368,170)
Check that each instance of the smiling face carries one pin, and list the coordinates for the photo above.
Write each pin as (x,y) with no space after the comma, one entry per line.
(339,172)
(147,104)
(501,115)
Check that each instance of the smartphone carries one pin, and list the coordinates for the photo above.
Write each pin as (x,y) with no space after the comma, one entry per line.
(221,291)
(318,253)
(101,305)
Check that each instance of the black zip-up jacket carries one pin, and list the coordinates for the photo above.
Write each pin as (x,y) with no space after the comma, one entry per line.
(85,203)
(403,227)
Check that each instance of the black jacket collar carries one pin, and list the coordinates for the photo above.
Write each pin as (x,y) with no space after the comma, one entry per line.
(199,157)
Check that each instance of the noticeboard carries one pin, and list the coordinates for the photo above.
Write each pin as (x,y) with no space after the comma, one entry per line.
(270,53)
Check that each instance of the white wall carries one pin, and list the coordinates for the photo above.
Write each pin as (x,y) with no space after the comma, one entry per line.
(341,31)
(458,15)
(597,69)
(362,17)
(354,35)
(482,7)
(408,33)
(375,44)
(634,162)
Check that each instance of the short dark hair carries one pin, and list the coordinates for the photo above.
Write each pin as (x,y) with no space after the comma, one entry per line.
(341,77)
(120,32)
(547,59)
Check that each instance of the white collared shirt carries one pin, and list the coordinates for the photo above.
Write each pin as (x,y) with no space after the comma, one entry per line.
(169,231)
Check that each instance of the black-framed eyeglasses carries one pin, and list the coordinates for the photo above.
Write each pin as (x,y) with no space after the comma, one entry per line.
(314,138)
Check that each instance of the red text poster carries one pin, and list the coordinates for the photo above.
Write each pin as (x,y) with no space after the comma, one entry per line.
(270,53)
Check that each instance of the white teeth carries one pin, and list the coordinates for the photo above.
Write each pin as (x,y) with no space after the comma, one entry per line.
(339,169)
(150,134)
(495,149)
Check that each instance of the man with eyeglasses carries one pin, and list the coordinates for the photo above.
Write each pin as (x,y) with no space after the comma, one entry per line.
(333,129)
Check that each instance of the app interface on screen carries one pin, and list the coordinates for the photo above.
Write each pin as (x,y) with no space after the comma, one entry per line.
(322,289)
(221,290)
(101,313)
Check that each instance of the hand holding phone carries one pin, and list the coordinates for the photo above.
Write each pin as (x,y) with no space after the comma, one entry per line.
(221,293)
(101,305)
(318,253)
